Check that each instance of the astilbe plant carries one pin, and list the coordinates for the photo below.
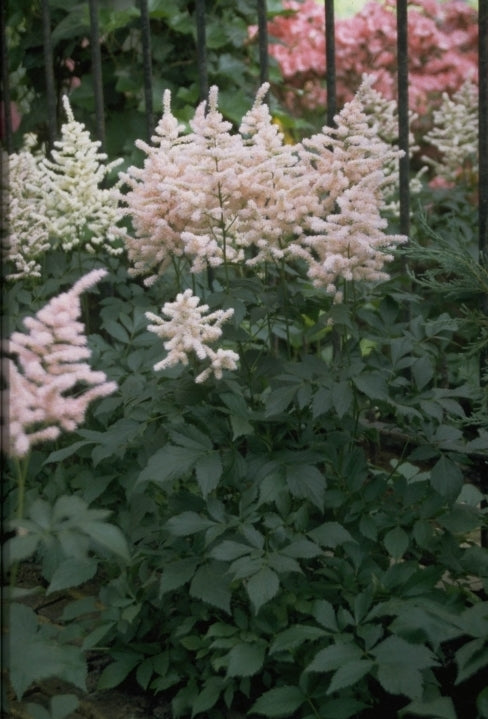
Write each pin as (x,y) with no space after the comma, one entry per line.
(60,201)
(454,138)
(442,50)
(244,199)
(50,383)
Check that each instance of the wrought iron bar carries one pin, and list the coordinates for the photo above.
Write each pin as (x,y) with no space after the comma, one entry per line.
(403,120)
(51,98)
(201,49)
(263,41)
(483,132)
(330,63)
(147,67)
(96,56)
(7,111)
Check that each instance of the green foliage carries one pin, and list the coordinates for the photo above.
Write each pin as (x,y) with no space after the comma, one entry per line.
(300,538)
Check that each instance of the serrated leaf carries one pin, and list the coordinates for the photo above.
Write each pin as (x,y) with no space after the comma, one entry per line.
(209,695)
(324,613)
(245,659)
(46,657)
(71,573)
(438,708)
(306,482)
(115,673)
(401,679)
(208,470)
(372,384)
(342,398)
(333,657)
(211,585)
(188,523)
(169,463)
(176,574)
(107,536)
(396,542)
(302,549)
(349,674)
(228,550)
(262,587)
(330,534)
(470,658)
(279,702)
(279,399)
(295,636)
(446,478)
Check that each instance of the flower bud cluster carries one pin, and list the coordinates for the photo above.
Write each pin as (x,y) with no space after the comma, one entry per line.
(49,384)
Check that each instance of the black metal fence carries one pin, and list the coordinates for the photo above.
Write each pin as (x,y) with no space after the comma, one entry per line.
(201,56)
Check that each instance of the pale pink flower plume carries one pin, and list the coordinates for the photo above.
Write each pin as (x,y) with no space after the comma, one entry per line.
(50,386)
(189,329)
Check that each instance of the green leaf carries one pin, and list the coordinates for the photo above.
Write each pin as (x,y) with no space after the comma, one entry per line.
(47,658)
(333,657)
(400,664)
(71,573)
(61,454)
(423,371)
(324,613)
(342,397)
(208,470)
(295,636)
(372,384)
(108,536)
(280,399)
(116,331)
(438,708)
(211,585)
(446,478)
(262,587)
(169,463)
(176,574)
(470,658)
(401,679)
(330,534)
(302,549)
(187,523)
(209,695)
(482,703)
(279,702)
(396,542)
(115,673)
(306,482)
(228,550)
(349,674)
(245,659)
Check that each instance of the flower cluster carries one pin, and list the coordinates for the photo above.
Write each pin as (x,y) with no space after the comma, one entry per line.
(213,197)
(60,201)
(50,386)
(455,137)
(190,329)
(24,204)
(442,50)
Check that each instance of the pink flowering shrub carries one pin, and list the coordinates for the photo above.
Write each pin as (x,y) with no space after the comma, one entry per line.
(50,386)
(442,50)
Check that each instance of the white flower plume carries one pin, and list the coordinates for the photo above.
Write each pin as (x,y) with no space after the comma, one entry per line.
(189,329)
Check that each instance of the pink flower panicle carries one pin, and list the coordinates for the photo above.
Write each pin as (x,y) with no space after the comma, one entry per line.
(50,384)
(212,197)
